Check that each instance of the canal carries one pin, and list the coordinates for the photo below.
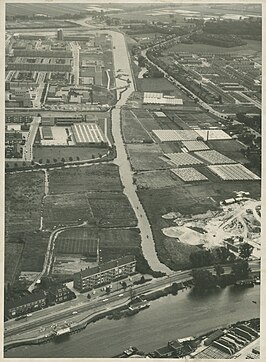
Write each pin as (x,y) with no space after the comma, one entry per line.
(167,318)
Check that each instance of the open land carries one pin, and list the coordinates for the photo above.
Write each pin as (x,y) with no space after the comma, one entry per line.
(23,194)
(73,153)
(99,177)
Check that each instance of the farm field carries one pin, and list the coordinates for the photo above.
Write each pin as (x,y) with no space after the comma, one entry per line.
(23,198)
(72,153)
(48,9)
(34,251)
(230,148)
(132,129)
(101,177)
(155,179)
(111,209)
(77,241)
(66,209)
(146,157)
(13,253)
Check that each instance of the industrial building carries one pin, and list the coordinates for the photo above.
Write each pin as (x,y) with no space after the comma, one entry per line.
(159,98)
(85,133)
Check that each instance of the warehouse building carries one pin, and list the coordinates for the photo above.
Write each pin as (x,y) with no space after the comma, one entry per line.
(159,98)
(88,133)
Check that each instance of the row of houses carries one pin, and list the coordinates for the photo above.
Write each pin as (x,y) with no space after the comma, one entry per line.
(38,300)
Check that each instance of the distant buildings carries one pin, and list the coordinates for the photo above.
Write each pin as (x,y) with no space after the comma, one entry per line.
(104,273)
(159,98)
(60,34)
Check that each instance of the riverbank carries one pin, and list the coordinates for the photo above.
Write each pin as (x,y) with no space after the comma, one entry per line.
(167,318)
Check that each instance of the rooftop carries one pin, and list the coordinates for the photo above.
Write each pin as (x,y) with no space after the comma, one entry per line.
(106,266)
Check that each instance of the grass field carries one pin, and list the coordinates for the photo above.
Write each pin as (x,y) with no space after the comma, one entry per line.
(77,241)
(89,178)
(230,148)
(23,197)
(146,157)
(66,209)
(111,209)
(155,179)
(13,253)
(72,153)
(48,9)
(34,251)
(132,129)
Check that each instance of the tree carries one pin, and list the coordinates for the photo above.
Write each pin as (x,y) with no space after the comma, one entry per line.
(245,250)
(55,160)
(124,284)
(142,279)
(77,158)
(240,269)
(63,160)
(204,279)
(88,296)
(47,161)
(70,159)
(218,269)
(174,288)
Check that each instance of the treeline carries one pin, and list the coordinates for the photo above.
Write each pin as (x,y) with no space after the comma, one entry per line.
(221,40)
(205,279)
(237,27)
(219,255)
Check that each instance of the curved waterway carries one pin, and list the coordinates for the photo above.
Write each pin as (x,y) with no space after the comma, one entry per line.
(167,318)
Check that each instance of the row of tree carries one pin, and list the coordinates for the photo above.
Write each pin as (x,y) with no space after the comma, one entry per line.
(204,279)
(220,255)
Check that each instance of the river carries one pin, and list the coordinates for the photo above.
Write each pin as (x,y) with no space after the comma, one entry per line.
(167,318)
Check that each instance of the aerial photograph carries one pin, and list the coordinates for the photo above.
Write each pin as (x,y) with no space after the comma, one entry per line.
(132,180)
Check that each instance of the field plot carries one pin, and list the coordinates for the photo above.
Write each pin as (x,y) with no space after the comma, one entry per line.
(175,135)
(189,174)
(119,238)
(231,148)
(233,172)
(132,129)
(183,159)
(23,198)
(73,153)
(13,253)
(195,145)
(48,9)
(77,241)
(213,134)
(155,179)
(34,251)
(146,157)
(213,157)
(111,209)
(66,209)
(90,178)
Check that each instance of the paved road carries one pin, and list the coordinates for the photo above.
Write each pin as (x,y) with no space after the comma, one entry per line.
(62,313)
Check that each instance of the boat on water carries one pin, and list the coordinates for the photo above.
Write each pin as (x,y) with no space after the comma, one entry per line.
(139,306)
(245,283)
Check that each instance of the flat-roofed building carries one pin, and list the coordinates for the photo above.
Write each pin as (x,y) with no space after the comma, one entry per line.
(104,273)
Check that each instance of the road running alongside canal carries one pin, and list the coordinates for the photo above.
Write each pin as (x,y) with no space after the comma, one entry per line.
(167,318)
